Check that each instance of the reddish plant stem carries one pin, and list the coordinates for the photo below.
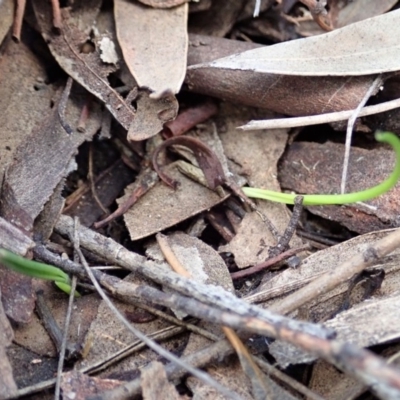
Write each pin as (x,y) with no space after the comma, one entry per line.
(18,17)
(189,118)
(268,263)
(57,21)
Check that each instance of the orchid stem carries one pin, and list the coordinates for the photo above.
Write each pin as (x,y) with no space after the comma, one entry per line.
(332,199)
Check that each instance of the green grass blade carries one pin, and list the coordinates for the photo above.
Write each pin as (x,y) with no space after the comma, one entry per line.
(331,199)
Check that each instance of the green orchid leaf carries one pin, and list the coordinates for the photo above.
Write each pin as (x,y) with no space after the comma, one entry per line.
(332,199)
(36,270)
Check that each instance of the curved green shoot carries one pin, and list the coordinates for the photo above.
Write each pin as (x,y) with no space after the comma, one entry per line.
(331,199)
(35,269)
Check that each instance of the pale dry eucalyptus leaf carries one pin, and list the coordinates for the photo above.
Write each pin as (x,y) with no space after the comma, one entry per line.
(155,384)
(23,93)
(6,20)
(163,3)
(366,47)
(78,386)
(87,68)
(154,44)
(362,9)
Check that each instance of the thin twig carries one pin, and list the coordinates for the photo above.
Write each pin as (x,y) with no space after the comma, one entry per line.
(64,340)
(283,242)
(150,343)
(281,123)
(170,256)
(62,105)
(340,274)
(92,181)
(349,132)
(144,182)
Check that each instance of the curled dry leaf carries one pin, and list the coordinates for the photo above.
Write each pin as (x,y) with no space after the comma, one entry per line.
(154,44)
(364,48)
(206,158)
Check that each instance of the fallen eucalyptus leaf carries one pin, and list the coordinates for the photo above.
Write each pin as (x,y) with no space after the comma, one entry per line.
(154,44)
(367,47)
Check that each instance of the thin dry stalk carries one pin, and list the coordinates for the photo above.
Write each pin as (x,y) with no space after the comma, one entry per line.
(349,132)
(282,123)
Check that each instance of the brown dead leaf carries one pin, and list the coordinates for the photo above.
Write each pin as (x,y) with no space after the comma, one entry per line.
(291,95)
(200,260)
(35,172)
(359,10)
(154,44)
(35,338)
(86,68)
(44,223)
(155,384)
(151,115)
(80,386)
(18,297)
(316,168)
(7,383)
(37,167)
(108,335)
(163,207)
(24,97)
(332,384)
(217,20)
(7,14)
